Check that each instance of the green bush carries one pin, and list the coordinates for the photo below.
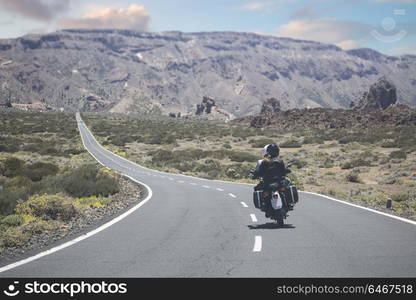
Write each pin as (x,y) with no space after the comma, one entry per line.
(299,163)
(260,143)
(242,156)
(86,181)
(353,177)
(14,237)
(48,207)
(398,155)
(17,188)
(291,144)
(12,220)
(12,167)
(356,163)
(39,170)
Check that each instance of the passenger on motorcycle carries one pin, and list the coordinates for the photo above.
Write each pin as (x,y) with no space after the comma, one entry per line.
(271,168)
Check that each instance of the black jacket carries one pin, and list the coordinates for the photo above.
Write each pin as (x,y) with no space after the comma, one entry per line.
(270,169)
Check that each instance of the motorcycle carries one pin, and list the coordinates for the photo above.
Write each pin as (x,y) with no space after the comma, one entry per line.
(276,199)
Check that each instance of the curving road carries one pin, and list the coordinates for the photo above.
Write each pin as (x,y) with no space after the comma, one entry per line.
(193,227)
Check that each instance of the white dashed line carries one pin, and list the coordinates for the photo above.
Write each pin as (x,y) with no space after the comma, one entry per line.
(206,186)
(192,183)
(181,181)
(243,204)
(221,190)
(257,243)
(170,178)
(232,195)
(253,218)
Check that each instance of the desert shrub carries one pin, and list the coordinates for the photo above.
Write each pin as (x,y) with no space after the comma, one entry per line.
(398,155)
(404,197)
(359,162)
(260,143)
(353,177)
(299,163)
(39,170)
(14,237)
(227,146)
(12,167)
(291,144)
(296,181)
(86,181)
(48,207)
(328,163)
(313,140)
(12,220)
(8,144)
(237,171)
(92,201)
(37,226)
(17,188)
(238,156)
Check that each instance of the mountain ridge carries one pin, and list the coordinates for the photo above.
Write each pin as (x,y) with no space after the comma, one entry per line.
(130,71)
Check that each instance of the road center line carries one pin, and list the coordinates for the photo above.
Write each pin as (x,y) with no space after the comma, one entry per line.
(232,195)
(243,204)
(253,218)
(257,243)
(221,190)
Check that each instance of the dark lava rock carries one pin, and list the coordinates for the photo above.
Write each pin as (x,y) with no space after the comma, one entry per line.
(382,94)
(270,106)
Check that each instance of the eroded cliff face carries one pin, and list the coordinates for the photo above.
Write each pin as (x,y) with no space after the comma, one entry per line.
(127,71)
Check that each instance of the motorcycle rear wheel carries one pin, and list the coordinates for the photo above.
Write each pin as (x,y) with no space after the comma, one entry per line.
(279,218)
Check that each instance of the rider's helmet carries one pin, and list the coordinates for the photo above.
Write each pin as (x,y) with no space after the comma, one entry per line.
(272,150)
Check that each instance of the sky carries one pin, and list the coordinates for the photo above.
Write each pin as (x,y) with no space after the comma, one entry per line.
(388,26)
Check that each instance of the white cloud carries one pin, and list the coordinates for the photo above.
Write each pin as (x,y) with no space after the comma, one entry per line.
(40,10)
(329,31)
(257,5)
(134,17)
(402,50)
(348,45)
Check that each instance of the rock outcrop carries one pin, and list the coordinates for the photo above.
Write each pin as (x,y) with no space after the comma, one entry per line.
(381,95)
(205,106)
(270,106)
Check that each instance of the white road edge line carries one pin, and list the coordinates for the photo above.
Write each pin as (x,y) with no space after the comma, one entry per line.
(243,204)
(253,218)
(232,195)
(365,208)
(257,243)
(88,234)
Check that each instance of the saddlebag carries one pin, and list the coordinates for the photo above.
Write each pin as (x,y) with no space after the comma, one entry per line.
(259,201)
(292,194)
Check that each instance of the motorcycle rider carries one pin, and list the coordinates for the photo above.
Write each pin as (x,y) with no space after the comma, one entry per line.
(271,168)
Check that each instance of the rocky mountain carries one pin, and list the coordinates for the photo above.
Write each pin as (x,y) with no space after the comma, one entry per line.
(170,72)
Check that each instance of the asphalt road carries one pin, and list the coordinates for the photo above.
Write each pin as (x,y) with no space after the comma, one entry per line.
(200,228)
